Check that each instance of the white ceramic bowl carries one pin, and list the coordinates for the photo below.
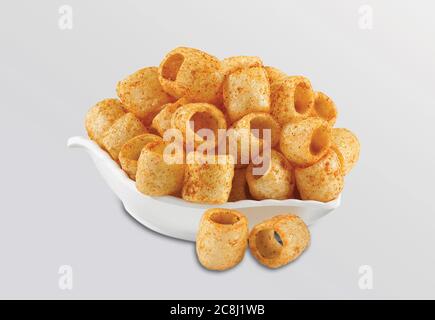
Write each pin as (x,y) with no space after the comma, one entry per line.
(177,218)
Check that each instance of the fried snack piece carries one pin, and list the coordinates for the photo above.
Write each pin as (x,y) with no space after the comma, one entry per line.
(276,183)
(142,94)
(324,108)
(347,147)
(250,135)
(222,238)
(292,99)
(202,116)
(156,176)
(122,130)
(101,117)
(162,121)
(323,181)
(294,236)
(239,188)
(231,64)
(305,142)
(246,91)
(191,73)
(208,179)
(131,150)
(274,75)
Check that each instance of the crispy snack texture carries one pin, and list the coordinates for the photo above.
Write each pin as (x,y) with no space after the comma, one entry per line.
(222,239)
(245,91)
(324,108)
(191,73)
(346,145)
(305,142)
(239,188)
(276,183)
(294,239)
(122,130)
(323,181)
(142,94)
(131,150)
(155,175)
(101,117)
(208,179)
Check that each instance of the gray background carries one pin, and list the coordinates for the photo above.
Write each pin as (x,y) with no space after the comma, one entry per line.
(56,210)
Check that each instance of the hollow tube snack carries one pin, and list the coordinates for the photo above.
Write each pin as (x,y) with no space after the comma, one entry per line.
(191,73)
(222,238)
(305,142)
(142,94)
(231,64)
(292,99)
(101,117)
(155,176)
(208,179)
(246,91)
(265,247)
(276,183)
(324,108)
(162,121)
(122,130)
(274,75)
(131,150)
(347,147)
(239,188)
(323,181)
(203,116)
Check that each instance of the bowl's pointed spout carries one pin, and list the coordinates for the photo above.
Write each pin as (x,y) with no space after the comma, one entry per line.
(78,142)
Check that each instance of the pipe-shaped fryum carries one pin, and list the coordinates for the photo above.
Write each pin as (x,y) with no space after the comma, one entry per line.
(222,238)
(208,179)
(324,108)
(292,99)
(101,117)
(131,150)
(201,116)
(323,181)
(278,241)
(246,91)
(155,175)
(305,142)
(162,121)
(142,94)
(231,64)
(122,130)
(277,182)
(191,73)
(274,75)
(347,147)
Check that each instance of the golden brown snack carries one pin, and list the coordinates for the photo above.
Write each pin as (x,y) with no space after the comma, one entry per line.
(155,175)
(122,130)
(142,94)
(239,188)
(305,142)
(162,121)
(276,183)
(265,247)
(292,99)
(101,117)
(323,181)
(324,108)
(274,75)
(131,150)
(347,147)
(222,239)
(248,133)
(208,179)
(203,116)
(191,73)
(231,64)
(246,91)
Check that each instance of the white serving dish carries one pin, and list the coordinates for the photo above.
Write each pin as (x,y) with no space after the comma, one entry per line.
(178,218)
